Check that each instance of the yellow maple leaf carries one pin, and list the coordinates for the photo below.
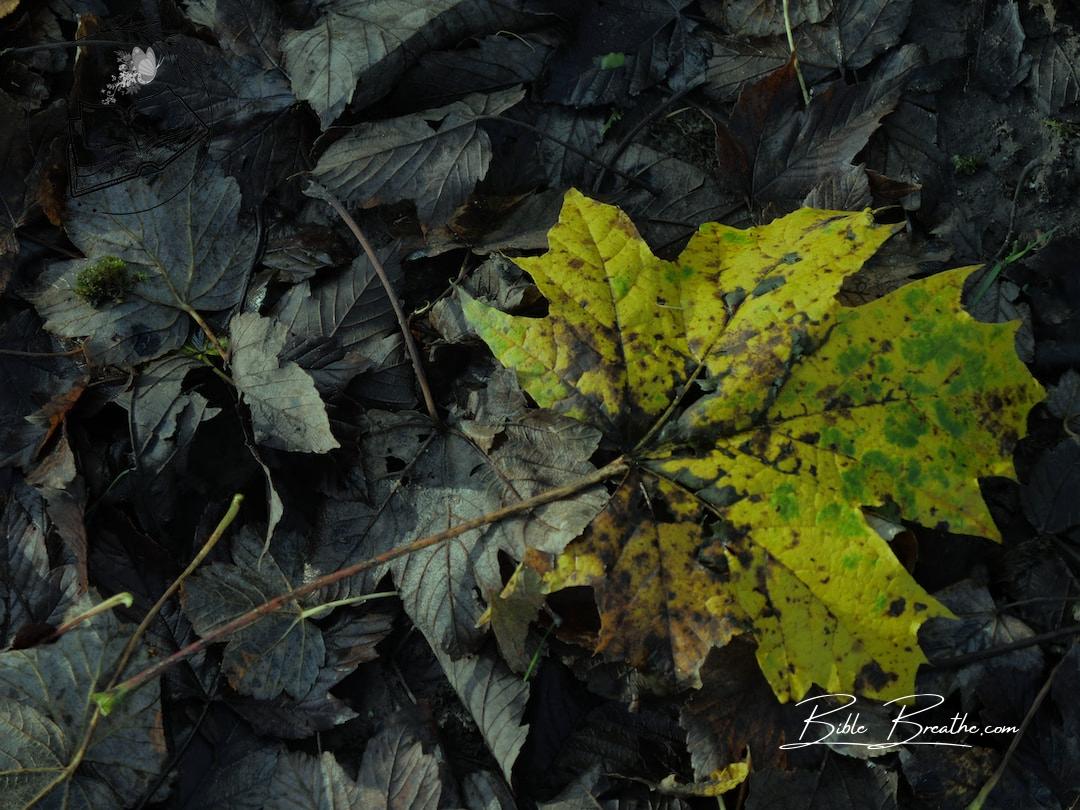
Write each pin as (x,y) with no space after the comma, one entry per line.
(744,509)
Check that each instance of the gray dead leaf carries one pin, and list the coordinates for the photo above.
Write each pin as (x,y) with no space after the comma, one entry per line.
(1063,401)
(161,418)
(495,697)
(761,18)
(407,158)
(1054,80)
(181,250)
(855,33)
(498,281)
(734,62)
(426,479)
(303,782)
(286,410)
(45,709)
(351,38)
(341,324)
(844,190)
(282,651)
(396,774)
(1001,63)
(31,591)
(494,63)
(981,626)
(999,303)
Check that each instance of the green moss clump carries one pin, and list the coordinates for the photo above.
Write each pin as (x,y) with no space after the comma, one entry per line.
(966,165)
(107,279)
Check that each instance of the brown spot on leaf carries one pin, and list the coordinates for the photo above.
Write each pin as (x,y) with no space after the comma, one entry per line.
(874,677)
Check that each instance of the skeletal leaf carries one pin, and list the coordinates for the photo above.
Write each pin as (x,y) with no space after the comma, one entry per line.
(744,513)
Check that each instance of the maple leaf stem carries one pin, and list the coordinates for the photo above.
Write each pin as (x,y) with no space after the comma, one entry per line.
(794,56)
(207,547)
(660,422)
(117,691)
(399,313)
(124,599)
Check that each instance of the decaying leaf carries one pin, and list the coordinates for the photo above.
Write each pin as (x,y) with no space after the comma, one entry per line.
(341,324)
(495,697)
(285,650)
(427,479)
(648,42)
(180,251)
(1055,71)
(31,593)
(743,513)
(39,386)
(776,153)
(286,411)
(257,774)
(45,708)
(855,32)
(396,774)
(409,159)
(350,38)
(759,18)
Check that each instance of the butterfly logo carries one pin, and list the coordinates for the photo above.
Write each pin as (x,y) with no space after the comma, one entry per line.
(145,65)
(134,70)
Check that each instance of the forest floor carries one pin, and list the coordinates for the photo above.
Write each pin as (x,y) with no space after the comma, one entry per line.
(186,315)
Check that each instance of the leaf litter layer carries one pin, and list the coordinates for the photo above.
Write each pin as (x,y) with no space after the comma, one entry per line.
(119,440)
(746,510)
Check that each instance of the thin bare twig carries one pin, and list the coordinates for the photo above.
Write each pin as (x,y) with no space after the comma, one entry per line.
(205,327)
(628,138)
(794,55)
(978,802)
(100,710)
(208,546)
(993,652)
(115,693)
(68,353)
(1028,169)
(399,313)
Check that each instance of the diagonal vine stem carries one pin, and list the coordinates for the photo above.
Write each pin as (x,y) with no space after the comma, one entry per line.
(116,692)
(101,710)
